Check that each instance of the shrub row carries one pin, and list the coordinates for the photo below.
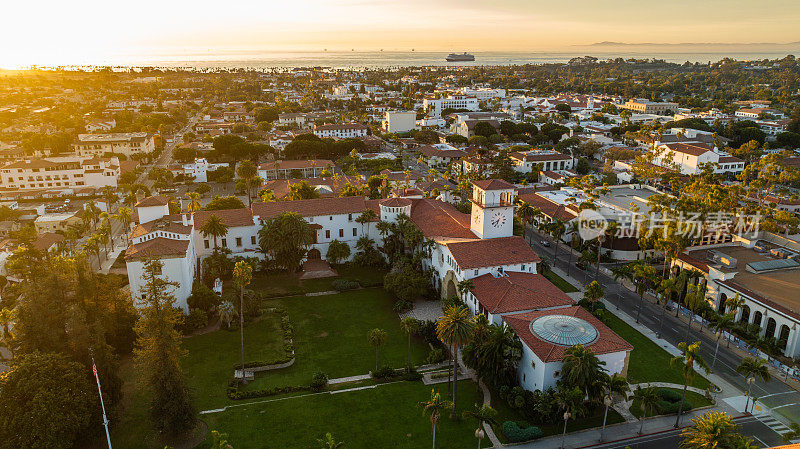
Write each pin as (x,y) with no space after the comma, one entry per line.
(235,395)
(345,284)
(517,432)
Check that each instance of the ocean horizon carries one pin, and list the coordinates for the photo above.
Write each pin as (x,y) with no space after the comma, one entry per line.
(395,59)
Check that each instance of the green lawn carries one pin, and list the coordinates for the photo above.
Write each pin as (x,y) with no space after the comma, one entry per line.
(330,335)
(384,417)
(286,284)
(648,362)
(559,282)
(697,401)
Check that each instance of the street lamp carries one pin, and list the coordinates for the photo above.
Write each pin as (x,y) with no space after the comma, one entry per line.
(567,415)
(479,434)
(750,382)
(607,401)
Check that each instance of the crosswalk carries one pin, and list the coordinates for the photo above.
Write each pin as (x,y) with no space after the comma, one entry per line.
(772,423)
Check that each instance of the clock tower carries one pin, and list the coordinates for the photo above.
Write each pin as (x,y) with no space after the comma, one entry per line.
(492,208)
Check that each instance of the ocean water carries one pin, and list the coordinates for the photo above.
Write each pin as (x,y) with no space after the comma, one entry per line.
(393,59)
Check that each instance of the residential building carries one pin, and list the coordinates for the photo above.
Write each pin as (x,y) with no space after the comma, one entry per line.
(690,157)
(70,172)
(547,160)
(56,222)
(128,144)
(440,153)
(400,121)
(341,130)
(644,106)
(435,106)
(199,169)
(287,169)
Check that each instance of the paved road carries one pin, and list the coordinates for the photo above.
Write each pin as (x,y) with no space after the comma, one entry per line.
(748,426)
(774,394)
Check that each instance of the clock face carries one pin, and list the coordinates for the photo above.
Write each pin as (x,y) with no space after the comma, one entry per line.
(498,219)
(477,218)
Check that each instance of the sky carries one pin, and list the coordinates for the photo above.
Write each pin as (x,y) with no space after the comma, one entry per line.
(48,32)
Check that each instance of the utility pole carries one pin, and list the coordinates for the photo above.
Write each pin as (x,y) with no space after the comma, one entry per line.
(102,405)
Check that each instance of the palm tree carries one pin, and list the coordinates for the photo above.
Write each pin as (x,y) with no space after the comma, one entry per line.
(365,218)
(581,368)
(409,325)
(110,195)
(648,398)
(594,291)
(454,329)
(557,229)
(329,442)
(383,227)
(214,227)
(667,288)
(687,360)
(714,430)
(125,215)
(570,401)
(694,299)
(194,202)
(248,172)
(434,407)
(242,276)
(612,384)
(723,323)
(752,369)
(376,338)
(92,246)
(463,287)
(525,213)
(643,273)
(484,414)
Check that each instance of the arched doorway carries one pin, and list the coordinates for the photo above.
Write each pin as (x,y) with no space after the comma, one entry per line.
(449,285)
(757,319)
(771,324)
(314,254)
(722,299)
(783,338)
(745,317)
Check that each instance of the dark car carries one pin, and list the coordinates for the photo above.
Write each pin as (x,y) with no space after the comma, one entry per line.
(581,264)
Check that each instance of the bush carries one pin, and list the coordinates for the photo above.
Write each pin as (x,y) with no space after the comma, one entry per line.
(412,375)
(517,432)
(402,306)
(385,372)
(202,297)
(196,319)
(669,408)
(319,382)
(435,356)
(234,393)
(669,395)
(345,284)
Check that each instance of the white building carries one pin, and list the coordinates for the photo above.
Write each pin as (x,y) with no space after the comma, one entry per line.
(434,106)
(199,169)
(152,208)
(295,169)
(525,161)
(690,158)
(103,125)
(341,130)
(440,153)
(128,144)
(482,93)
(400,121)
(60,173)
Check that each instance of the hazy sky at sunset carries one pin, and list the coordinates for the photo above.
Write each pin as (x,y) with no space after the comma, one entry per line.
(59,32)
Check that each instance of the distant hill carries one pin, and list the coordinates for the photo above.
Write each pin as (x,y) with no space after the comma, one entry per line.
(727,45)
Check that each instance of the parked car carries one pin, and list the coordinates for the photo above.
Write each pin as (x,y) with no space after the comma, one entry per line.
(581,264)
(545,243)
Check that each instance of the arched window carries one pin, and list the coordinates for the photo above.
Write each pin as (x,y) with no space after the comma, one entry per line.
(722,299)
(745,317)
(757,319)
(770,328)
(783,337)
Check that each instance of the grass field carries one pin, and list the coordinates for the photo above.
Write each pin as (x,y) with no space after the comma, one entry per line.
(383,417)
(286,284)
(697,400)
(330,335)
(648,362)
(559,282)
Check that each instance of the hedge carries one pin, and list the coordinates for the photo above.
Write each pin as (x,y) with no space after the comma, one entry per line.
(520,432)
(345,284)
(235,395)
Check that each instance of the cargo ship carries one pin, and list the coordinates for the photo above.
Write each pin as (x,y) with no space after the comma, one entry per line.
(453,57)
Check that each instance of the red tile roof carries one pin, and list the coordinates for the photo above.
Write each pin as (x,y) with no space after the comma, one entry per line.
(493,184)
(694,149)
(153,201)
(437,219)
(157,247)
(230,217)
(549,208)
(492,252)
(396,202)
(606,343)
(311,208)
(518,292)
(47,240)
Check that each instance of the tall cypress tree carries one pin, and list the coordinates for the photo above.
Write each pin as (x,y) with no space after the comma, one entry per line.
(158,352)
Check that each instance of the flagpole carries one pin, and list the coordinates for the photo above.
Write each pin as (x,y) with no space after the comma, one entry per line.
(102,405)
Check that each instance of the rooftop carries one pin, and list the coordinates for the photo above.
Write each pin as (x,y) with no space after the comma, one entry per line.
(492,252)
